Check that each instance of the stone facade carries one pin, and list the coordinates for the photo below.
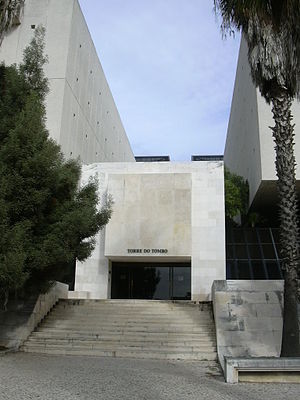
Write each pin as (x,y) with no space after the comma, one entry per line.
(176,207)
(81,114)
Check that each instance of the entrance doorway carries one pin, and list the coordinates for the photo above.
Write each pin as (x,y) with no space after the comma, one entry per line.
(152,281)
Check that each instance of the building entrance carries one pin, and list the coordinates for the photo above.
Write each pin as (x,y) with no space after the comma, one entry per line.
(152,281)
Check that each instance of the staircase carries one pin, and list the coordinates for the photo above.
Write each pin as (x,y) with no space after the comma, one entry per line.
(127,328)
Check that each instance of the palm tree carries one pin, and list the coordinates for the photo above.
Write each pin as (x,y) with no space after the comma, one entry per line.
(10,11)
(272,31)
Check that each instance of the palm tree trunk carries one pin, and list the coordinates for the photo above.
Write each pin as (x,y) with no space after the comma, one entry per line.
(283,134)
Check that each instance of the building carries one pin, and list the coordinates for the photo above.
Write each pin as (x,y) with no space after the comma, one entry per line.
(249,150)
(166,237)
(81,114)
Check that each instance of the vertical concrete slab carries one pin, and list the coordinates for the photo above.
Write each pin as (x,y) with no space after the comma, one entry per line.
(248,318)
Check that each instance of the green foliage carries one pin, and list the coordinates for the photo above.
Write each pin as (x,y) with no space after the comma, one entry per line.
(46,221)
(236,195)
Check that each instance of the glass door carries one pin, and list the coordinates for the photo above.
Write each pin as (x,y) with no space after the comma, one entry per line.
(164,281)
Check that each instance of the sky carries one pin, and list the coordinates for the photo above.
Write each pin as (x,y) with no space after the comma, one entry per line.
(170,72)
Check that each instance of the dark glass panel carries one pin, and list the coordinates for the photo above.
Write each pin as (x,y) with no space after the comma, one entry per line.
(238,236)
(230,270)
(181,283)
(254,251)
(162,288)
(276,236)
(120,283)
(229,251)
(163,281)
(264,235)
(258,270)
(243,270)
(273,270)
(241,251)
(146,280)
(268,251)
(251,235)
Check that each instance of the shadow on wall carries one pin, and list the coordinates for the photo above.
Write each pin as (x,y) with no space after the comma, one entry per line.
(17,323)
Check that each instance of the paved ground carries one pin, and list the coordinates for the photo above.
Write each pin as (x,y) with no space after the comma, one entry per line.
(27,376)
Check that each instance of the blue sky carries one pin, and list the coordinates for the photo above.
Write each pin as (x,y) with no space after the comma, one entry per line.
(169,70)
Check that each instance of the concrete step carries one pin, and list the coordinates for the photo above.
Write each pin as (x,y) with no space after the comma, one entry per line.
(155,345)
(134,336)
(127,328)
(146,314)
(129,314)
(138,329)
(125,321)
(152,336)
(171,347)
(137,302)
(197,356)
(157,308)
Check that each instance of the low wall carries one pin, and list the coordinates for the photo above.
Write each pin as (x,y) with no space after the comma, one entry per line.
(248,318)
(17,323)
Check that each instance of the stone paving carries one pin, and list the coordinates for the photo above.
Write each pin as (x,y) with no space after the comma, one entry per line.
(29,376)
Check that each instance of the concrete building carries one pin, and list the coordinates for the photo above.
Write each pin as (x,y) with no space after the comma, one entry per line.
(249,149)
(81,114)
(166,237)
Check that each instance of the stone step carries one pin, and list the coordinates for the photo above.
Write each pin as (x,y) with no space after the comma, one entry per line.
(117,346)
(128,328)
(116,328)
(162,355)
(126,340)
(152,336)
(130,306)
(125,321)
(158,313)
(136,302)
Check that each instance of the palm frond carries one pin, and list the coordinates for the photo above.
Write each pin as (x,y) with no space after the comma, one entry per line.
(272,31)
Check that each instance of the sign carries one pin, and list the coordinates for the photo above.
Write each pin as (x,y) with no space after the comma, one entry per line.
(147,251)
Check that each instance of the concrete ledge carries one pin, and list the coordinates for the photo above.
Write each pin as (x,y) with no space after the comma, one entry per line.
(287,367)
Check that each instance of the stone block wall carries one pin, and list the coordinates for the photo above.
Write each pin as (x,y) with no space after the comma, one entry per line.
(17,323)
(248,318)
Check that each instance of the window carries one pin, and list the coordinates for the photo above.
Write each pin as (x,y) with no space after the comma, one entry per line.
(252,253)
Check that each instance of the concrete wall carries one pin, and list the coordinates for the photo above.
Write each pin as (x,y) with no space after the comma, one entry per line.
(17,323)
(248,318)
(249,149)
(151,211)
(173,206)
(81,114)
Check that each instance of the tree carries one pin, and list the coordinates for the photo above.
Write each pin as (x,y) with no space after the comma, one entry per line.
(10,11)
(236,195)
(46,220)
(272,31)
